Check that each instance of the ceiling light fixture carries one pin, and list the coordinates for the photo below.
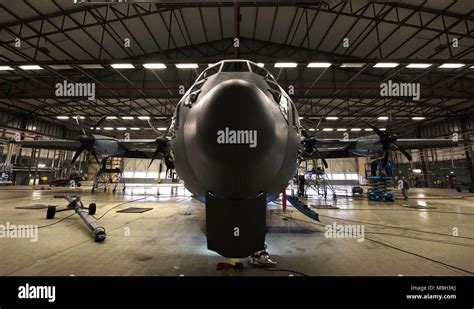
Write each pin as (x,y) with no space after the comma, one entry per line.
(286,65)
(319,65)
(451,66)
(386,65)
(122,66)
(187,65)
(419,65)
(154,66)
(30,67)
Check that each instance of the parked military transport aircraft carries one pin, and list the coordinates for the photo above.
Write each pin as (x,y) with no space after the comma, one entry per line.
(235,140)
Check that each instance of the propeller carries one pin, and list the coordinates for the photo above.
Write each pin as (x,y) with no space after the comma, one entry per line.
(309,143)
(162,148)
(87,140)
(388,140)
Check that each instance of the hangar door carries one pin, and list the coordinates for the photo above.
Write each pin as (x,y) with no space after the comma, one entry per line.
(137,170)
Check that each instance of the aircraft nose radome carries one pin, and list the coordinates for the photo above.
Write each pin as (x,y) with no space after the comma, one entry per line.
(234,143)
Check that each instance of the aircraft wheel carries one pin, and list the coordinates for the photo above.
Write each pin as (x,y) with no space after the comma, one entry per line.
(459,189)
(92,209)
(51,212)
(471,190)
(78,185)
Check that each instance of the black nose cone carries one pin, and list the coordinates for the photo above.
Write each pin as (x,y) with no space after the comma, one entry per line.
(232,140)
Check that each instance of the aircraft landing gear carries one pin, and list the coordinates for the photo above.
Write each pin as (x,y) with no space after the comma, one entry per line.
(85,213)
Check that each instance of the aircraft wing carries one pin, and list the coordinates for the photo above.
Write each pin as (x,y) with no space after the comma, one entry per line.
(340,148)
(145,145)
(50,144)
(421,143)
(407,143)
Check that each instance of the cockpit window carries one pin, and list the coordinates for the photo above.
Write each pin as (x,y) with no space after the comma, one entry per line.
(210,71)
(236,66)
(198,85)
(258,70)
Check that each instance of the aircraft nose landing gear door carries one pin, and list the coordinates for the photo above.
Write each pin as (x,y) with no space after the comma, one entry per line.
(235,228)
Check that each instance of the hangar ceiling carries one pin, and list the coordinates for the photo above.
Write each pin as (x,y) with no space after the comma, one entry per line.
(66,38)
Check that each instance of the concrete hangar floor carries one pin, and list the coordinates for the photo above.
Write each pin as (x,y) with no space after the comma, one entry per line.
(400,238)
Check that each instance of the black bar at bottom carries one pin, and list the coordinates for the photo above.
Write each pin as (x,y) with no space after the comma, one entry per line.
(241,290)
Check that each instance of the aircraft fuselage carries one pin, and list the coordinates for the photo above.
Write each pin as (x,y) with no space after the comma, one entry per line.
(232,136)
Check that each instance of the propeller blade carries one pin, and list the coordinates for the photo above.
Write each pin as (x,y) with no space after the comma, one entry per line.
(385,158)
(155,155)
(98,123)
(376,130)
(96,157)
(325,163)
(405,153)
(78,121)
(78,153)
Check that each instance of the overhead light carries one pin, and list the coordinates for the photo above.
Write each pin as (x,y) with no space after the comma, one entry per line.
(30,67)
(127,117)
(383,129)
(382,118)
(162,129)
(143,117)
(108,128)
(417,118)
(187,65)
(286,65)
(41,165)
(368,129)
(92,128)
(134,129)
(80,117)
(154,66)
(451,66)
(472,66)
(419,65)
(341,129)
(91,66)
(328,129)
(5,68)
(319,65)
(261,64)
(111,117)
(60,66)
(122,66)
(352,65)
(416,171)
(300,118)
(356,129)
(332,118)
(311,129)
(62,117)
(386,65)
(121,128)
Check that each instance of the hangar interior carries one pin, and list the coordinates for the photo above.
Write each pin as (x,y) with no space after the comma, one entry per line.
(331,57)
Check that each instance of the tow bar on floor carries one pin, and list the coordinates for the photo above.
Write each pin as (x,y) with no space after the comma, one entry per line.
(85,213)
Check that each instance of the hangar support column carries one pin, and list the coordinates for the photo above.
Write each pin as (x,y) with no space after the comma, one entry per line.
(465,126)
